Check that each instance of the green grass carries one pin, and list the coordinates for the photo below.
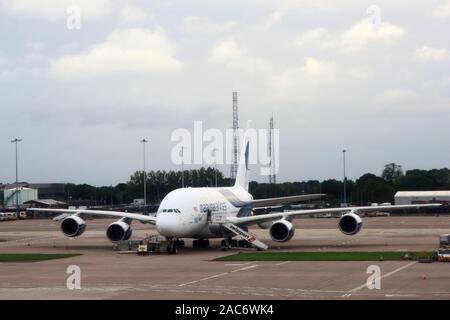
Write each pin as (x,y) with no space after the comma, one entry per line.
(33,257)
(323,256)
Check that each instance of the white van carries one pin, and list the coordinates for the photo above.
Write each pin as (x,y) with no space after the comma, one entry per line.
(3,216)
(12,216)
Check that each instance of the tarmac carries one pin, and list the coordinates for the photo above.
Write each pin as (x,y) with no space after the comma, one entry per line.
(191,274)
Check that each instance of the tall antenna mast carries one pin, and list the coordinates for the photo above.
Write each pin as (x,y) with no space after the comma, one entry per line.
(272,175)
(234,165)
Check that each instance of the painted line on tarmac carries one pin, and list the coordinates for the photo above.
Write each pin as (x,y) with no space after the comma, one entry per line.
(347,295)
(244,268)
(237,264)
(282,263)
(217,275)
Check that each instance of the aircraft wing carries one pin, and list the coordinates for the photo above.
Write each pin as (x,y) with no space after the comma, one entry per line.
(133,216)
(272,202)
(243,221)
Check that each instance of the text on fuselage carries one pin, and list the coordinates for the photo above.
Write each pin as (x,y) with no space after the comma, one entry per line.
(213,207)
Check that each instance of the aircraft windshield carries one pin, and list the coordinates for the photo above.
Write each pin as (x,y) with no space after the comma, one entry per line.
(171,210)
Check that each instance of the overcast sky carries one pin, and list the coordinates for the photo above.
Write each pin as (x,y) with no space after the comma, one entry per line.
(372,79)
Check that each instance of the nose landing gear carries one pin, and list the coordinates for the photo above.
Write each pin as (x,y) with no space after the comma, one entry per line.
(173,245)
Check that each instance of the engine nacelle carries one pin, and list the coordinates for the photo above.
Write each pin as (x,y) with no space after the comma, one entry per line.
(350,223)
(118,231)
(282,231)
(73,226)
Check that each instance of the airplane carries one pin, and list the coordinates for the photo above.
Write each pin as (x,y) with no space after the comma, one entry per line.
(223,212)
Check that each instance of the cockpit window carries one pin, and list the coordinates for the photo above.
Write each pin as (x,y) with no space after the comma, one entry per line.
(171,210)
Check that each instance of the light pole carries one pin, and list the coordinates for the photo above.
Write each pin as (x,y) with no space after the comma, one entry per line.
(143,141)
(345,178)
(182,167)
(16,141)
(111,194)
(215,164)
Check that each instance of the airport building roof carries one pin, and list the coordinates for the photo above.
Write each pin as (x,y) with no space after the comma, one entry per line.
(435,193)
(46,202)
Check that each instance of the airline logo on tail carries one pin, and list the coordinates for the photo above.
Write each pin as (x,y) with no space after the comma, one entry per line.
(247,155)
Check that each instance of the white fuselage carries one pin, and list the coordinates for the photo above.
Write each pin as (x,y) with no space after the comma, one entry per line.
(195,212)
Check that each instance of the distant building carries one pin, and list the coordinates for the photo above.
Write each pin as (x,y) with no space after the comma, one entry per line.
(46,203)
(12,197)
(45,190)
(418,197)
(50,190)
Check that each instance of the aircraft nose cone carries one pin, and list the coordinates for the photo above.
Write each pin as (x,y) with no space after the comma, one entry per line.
(168,225)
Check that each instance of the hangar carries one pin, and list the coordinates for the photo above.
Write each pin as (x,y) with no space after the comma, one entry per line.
(418,197)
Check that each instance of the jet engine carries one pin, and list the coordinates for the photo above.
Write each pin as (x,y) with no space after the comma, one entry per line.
(119,230)
(350,223)
(282,231)
(73,226)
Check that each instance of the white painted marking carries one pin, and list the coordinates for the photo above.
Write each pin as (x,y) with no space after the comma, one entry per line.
(217,275)
(382,277)
(399,295)
(244,268)
(237,264)
(280,264)
(203,279)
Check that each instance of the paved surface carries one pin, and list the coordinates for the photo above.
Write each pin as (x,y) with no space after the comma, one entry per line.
(191,274)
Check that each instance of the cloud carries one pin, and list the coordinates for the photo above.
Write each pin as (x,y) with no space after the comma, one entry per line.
(443,11)
(230,54)
(364,33)
(196,24)
(407,102)
(446,81)
(226,51)
(131,15)
(429,54)
(36,46)
(357,38)
(274,18)
(311,78)
(396,96)
(318,69)
(320,37)
(53,10)
(313,70)
(132,51)
(360,72)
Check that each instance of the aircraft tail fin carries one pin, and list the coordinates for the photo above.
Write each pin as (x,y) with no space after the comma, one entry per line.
(243,166)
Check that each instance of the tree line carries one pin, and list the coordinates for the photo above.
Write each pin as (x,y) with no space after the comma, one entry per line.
(366,189)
